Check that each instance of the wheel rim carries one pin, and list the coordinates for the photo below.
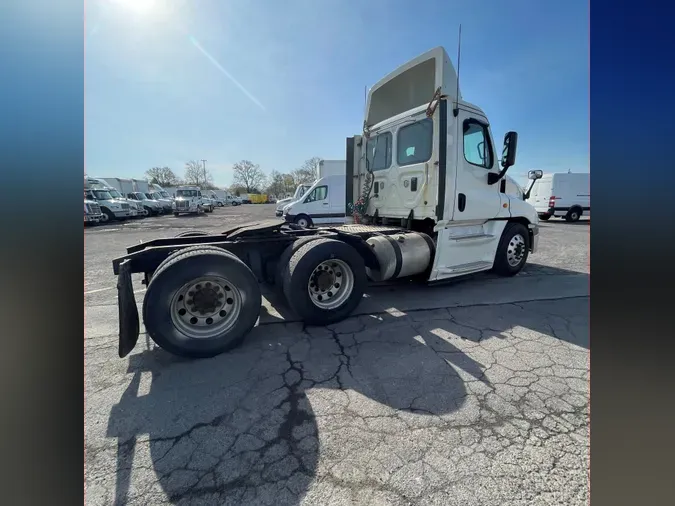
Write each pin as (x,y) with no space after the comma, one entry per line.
(105,218)
(574,216)
(516,250)
(330,284)
(206,307)
(303,222)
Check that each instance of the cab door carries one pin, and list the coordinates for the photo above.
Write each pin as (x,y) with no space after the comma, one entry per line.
(469,236)
(475,198)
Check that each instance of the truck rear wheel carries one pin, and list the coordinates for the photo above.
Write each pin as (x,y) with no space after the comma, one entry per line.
(324,281)
(201,302)
(513,249)
(544,217)
(286,257)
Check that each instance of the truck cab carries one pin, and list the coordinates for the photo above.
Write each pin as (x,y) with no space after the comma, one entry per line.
(111,208)
(152,206)
(188,200)
(427,160)
(92,211)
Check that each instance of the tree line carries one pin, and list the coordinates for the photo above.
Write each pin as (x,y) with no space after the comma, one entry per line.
(248,177)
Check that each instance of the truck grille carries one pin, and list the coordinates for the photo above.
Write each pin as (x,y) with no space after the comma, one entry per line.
(93,209)
(125,207)
(182,204)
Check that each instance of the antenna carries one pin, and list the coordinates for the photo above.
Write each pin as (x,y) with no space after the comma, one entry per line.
(459,55)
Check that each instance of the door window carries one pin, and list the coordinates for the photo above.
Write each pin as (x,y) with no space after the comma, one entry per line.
(378,151)
(414,142)
(318,193)
(477,147)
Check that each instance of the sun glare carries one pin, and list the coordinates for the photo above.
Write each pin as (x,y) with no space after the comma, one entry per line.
(140,7)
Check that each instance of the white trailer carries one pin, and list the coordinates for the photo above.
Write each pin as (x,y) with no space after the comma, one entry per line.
(424,182)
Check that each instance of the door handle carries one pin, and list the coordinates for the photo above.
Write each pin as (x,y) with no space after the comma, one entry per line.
(461,202)
(325,203)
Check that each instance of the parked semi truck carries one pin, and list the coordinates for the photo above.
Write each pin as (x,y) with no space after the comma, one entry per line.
(112,207)
(188,200)
(92,211)
(440,212)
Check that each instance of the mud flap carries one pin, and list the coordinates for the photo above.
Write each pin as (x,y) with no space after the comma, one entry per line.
(128,312)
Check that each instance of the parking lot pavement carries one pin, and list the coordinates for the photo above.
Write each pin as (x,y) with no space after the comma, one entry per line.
(471,393)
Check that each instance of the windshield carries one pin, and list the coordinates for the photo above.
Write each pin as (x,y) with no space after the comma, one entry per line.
(156,196)
(115,194)
(165,195)
(149,196)
(186,193)
(102,195)
(140,196)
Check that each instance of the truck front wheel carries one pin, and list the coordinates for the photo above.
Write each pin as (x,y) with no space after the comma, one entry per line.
(513,249)
(324,281)
(201,302)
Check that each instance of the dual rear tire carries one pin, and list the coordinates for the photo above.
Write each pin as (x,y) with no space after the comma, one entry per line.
(202,301)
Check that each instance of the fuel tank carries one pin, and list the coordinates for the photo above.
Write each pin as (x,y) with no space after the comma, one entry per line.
(401,255)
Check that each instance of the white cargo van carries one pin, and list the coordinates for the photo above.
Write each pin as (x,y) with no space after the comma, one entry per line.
(563,195)
(323,203)
(299,192)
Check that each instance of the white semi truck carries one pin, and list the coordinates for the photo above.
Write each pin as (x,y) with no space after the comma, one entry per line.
(112,207)
(426,186)
(116,186)
(188,200)
(92,211)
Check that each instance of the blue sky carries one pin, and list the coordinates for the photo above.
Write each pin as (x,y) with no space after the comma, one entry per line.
(280,82)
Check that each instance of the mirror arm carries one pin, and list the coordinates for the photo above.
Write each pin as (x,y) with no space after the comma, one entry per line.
(527,193)
(494,178)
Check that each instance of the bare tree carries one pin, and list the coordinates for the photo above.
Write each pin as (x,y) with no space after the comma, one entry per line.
(196,174)
(163,176)
(308,172)
(248,176)
(276,184)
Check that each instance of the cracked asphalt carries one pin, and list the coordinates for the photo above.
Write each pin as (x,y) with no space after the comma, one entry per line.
(475,392)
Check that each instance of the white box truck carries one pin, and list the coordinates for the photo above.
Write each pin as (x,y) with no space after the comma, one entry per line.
(424,177)
(332,168)
(563,195)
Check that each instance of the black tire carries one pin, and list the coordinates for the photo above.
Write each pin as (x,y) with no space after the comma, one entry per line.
(296,276)
(176,214)
(501,265)
(285,258)
(192,233)
(301,217)
(150,211)
(573,215)
(544,217)
(110,216)
(182,267)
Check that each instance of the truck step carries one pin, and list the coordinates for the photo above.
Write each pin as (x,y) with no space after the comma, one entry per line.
(466,268)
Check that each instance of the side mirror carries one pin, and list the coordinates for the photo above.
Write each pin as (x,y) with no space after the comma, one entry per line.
(535,174)
(509,151)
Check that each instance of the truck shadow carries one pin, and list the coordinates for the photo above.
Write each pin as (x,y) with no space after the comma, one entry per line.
(242,428)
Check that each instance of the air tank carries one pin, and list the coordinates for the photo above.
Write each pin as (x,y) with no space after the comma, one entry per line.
(400,255)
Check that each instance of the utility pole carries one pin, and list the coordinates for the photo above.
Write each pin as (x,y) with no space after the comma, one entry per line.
(204,162)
